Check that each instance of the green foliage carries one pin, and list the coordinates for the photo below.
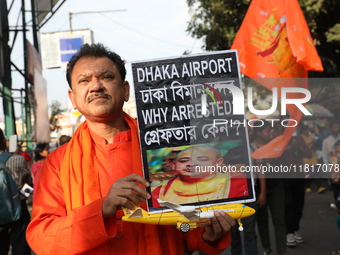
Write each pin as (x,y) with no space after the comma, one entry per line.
(333,35)
(217,22)
(55,112)
(324,22)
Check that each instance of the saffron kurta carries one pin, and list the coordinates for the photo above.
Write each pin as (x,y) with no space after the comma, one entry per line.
(58,228)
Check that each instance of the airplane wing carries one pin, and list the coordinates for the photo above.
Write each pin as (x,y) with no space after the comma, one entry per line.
(189,212)
(173,206)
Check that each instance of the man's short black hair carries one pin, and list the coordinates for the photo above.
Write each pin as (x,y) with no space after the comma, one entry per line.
(95,50)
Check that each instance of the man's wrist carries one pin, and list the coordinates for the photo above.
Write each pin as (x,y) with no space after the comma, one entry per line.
(211,243)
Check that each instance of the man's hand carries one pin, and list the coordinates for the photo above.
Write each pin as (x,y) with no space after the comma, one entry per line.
(262,199)
(126,192)
(217,227)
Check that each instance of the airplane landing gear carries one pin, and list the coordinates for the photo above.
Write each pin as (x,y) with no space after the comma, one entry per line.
(184,227)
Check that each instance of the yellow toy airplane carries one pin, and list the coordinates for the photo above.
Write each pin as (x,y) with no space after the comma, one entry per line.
(186,218)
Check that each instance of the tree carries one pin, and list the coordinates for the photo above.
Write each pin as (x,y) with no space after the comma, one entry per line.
(217,22)
(55,112)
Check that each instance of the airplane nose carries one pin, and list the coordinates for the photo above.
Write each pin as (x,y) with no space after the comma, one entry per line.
(248,211)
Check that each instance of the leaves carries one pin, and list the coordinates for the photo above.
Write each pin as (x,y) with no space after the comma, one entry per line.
(216,21)
(55,112)
(333,34)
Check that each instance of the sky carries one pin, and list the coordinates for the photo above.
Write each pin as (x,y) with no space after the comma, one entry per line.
(144,30)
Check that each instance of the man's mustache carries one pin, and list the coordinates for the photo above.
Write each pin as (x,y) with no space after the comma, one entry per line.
(102,95)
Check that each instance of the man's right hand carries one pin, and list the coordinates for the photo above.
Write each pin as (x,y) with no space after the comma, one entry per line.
(125,192)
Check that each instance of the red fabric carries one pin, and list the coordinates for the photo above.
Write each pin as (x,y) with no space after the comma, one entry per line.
(238,185)
(155,196)
(26,156)
(274,42)
(61,229)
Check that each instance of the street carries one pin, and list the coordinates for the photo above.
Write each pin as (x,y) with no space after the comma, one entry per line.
(318,227)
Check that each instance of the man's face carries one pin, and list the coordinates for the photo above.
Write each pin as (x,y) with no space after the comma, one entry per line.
(98,91)
(335,129)
(167,162)
(190,162)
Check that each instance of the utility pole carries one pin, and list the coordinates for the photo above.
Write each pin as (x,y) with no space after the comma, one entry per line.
(8,104)
(27,104)
(88,12)
(34,27)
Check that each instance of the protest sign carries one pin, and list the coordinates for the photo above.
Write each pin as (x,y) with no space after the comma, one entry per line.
(194,149)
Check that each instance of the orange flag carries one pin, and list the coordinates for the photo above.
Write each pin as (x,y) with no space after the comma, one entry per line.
(274,42)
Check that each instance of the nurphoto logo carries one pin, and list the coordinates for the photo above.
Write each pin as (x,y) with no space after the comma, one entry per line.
(238,101)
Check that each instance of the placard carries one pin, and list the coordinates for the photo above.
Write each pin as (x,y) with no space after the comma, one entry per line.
(195,149)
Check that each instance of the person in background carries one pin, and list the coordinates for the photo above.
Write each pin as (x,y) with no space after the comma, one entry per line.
(13,234)
(325,129)
(64,139)
(335,178)
(274,194)
(19,151)
(294,186)
(84,184)
(259,136)
(40,153)
(310,140)
(328,143)
(29,162)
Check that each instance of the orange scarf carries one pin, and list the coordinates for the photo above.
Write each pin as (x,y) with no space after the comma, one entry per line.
(79,172)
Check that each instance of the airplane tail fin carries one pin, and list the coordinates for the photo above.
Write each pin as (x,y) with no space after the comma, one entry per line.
(132,213)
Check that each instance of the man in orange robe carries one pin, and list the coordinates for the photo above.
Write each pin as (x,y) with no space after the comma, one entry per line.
(84,183)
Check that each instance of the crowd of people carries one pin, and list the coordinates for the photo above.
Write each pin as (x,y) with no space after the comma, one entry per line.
(83,184)
(284,194)
(24,167)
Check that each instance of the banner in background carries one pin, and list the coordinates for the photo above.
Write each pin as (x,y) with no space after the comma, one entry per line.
(58,48)
(274,42)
